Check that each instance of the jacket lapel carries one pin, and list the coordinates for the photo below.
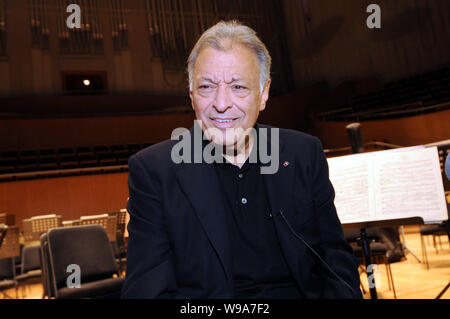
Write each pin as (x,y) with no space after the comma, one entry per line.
(280,184)
(200,183)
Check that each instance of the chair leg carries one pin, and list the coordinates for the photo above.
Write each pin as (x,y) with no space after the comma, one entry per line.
(387,276)
(362,288)
(360,270)
(424,253)
(435,245)
(391,278)
(24,290)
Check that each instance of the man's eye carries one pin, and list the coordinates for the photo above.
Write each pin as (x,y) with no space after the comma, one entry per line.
(204,86)
(239,87)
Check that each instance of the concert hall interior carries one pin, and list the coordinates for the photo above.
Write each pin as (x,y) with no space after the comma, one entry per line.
(76,102)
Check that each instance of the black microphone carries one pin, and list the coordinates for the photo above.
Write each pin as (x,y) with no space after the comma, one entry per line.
(300,238)
(355,136)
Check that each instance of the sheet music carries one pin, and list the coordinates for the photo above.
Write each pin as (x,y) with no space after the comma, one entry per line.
(351,184)
(390,184)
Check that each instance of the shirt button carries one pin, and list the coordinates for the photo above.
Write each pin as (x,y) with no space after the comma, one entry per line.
(244,200)
(240,175)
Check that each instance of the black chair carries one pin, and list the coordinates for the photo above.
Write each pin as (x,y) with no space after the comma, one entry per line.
(106,159)
(30,267)
(7,276)
(87,160)
(48,163)
(120,150)
(436,231)
(118,245)
(9,249)
(379,252)
(378,255)
(68,161)
(8,166)
(88,247)
(111,222)
(47,283)
(84,150)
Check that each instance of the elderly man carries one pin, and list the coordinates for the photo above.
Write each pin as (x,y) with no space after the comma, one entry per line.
(225,228)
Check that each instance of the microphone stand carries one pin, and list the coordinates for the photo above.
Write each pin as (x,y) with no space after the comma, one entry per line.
(369,269)
(356,141)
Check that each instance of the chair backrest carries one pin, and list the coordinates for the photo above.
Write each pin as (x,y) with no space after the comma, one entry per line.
(9,249)
(45,266)
(109,223)
(353,235)
(7,269)
(30,258)
(86,246)
(2,218)
(35,226)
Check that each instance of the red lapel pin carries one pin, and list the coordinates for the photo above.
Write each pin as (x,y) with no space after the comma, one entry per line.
(286,164)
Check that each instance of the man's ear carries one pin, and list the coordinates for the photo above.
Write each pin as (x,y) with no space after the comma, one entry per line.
(265,95)
(192,99)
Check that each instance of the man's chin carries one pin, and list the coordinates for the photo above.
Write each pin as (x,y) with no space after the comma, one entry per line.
(219,137)
(224,143)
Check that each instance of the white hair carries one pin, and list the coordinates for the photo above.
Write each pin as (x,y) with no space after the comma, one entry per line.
(234,31)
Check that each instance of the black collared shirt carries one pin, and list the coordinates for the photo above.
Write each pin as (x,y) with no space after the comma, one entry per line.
(259,267)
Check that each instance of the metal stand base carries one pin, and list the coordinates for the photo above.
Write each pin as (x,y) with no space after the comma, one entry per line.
(443,291)
(403,242)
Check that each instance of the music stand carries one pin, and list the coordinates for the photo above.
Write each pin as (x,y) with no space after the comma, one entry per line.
(366,246)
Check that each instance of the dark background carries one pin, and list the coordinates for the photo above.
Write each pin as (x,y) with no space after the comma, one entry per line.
(329,69)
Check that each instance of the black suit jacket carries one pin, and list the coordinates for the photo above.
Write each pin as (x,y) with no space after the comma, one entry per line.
(178,243)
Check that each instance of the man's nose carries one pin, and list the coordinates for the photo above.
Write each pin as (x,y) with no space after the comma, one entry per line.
(223,101)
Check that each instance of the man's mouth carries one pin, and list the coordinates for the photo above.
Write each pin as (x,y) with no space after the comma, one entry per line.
(223,122)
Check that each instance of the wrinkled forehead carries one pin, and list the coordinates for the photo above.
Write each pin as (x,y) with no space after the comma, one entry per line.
(235,62)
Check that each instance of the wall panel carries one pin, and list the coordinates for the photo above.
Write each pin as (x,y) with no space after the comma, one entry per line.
(70,197)
(408,131)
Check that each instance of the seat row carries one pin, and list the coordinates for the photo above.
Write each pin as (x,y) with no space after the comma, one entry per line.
(23,260)
(396,98)
(66,158)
